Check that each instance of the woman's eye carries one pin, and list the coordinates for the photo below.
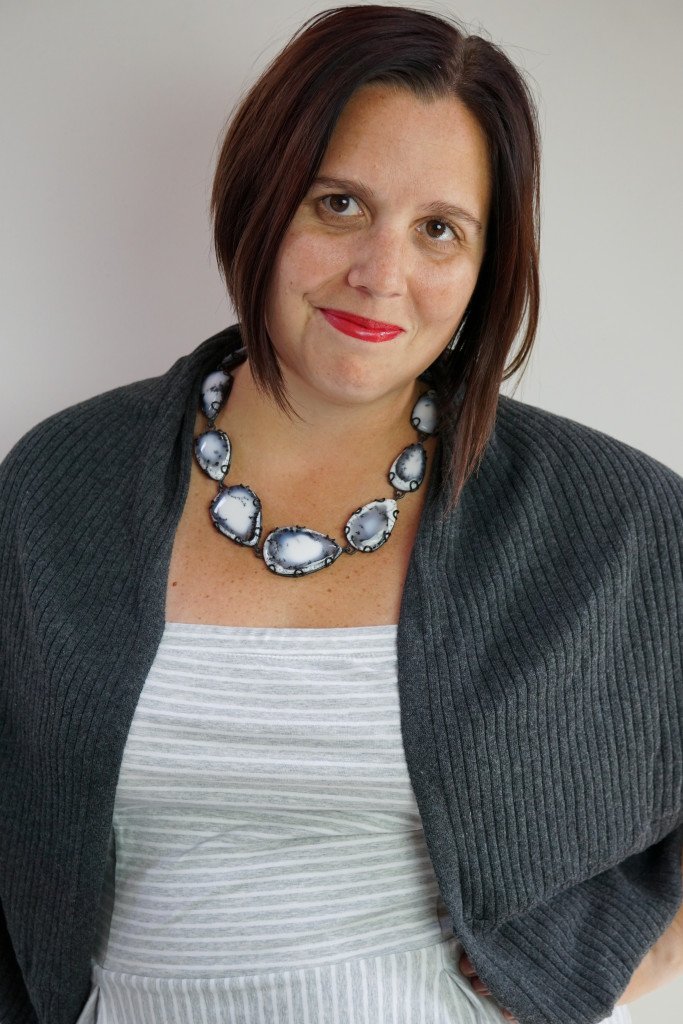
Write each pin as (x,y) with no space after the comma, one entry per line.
(341,205)
(439,231)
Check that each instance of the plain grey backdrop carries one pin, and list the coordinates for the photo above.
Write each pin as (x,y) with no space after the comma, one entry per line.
(110,117)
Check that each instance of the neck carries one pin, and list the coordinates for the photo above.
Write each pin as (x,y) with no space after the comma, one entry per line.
(378,426)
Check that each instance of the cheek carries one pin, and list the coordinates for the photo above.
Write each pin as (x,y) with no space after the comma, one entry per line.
(442,296)
(307,260)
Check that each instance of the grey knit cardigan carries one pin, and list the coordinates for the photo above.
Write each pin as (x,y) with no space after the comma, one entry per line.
(540,682)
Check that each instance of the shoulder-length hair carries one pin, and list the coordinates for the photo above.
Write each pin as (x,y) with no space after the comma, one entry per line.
(275,144)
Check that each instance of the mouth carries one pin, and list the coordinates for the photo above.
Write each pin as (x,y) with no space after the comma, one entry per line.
(360,327)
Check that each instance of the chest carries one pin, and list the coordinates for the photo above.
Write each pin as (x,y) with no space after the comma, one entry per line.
(213,580)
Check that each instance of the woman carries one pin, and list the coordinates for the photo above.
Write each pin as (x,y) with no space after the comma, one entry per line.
(213,771)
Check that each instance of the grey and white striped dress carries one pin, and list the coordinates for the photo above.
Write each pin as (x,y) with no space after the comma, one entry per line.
(268,864)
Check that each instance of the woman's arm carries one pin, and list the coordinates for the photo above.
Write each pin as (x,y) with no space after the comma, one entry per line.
(662,964)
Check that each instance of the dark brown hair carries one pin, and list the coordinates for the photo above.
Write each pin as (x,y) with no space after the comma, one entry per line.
(276,142)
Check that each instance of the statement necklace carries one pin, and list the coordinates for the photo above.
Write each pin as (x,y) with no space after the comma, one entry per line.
(296,550)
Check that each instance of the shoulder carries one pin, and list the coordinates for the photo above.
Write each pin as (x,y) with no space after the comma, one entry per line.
(90,464)
(554,492)
(106,431)
(562,461)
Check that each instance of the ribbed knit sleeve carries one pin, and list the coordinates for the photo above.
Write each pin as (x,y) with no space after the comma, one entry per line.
(542,705)
(89,501)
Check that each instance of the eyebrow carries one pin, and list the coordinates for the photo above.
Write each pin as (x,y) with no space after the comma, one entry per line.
(443,211)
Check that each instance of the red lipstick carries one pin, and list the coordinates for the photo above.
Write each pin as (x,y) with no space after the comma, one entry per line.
(360,326)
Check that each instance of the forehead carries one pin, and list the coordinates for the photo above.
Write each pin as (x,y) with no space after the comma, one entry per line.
(411,146)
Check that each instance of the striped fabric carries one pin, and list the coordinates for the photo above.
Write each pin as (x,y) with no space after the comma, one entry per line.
(268,862)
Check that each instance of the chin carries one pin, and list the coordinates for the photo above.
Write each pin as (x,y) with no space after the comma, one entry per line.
(359,385)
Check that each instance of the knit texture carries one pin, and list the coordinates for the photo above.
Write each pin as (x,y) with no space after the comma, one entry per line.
(540,678)
(544,621)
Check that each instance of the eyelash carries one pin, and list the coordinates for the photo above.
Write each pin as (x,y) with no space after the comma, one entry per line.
(324,201)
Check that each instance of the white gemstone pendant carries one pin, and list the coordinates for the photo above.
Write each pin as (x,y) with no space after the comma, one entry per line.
(370,526)
(215,391)
(296,551)
(425,413)
(408,470)
(236,513)
(213,452)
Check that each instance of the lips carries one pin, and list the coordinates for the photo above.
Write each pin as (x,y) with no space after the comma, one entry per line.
(360,327)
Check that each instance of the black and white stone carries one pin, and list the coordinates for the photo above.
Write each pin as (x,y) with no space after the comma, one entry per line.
(215,390)
(408,469)
(370,526)
(212,451)
(297,551)
(425,414)
(234,359)
(236,513)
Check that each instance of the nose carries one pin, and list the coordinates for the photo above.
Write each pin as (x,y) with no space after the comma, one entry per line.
(379,264)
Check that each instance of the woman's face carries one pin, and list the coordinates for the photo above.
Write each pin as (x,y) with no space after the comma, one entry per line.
(391,231)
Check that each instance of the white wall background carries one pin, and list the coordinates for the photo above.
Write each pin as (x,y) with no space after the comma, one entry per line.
(110,114)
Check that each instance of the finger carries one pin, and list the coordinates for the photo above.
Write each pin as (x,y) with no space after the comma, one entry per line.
(467,967)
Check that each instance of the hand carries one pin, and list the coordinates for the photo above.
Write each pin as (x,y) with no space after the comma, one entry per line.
(478,985)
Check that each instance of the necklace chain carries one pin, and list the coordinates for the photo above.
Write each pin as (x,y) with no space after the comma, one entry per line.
(295,551)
